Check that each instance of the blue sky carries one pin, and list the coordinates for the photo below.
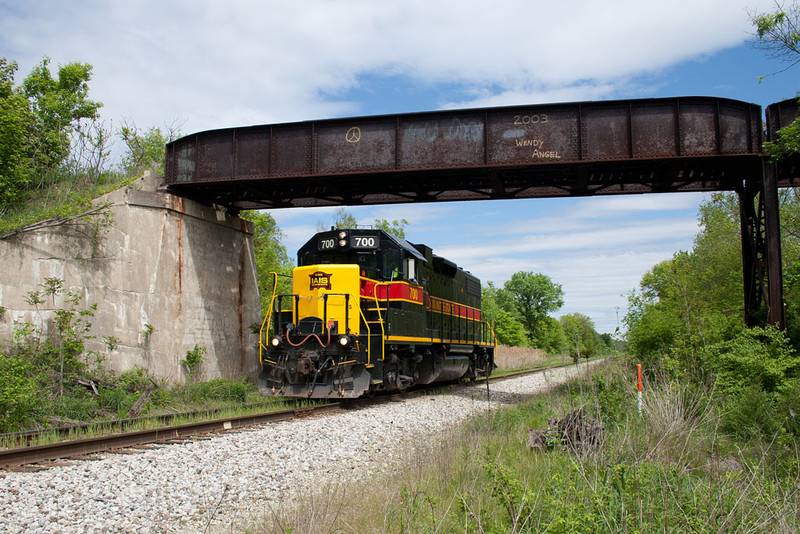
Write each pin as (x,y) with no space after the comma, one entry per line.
(204,65)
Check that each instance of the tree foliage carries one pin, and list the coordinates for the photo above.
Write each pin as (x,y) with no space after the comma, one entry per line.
(520,311)
(270,256)
(581,338)
(694,298)
(549,336)
(145,149)
(397,227)
(534,296)
(344,219)
(778,33)
(507,327)
(37,122)
(687,319)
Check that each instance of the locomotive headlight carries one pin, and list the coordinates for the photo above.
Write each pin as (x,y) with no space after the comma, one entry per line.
(344,341)
(275,341)
(342,235)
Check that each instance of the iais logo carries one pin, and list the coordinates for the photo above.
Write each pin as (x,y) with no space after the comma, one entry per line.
(320,280)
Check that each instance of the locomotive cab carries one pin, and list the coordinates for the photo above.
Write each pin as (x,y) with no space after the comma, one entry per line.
(361,318)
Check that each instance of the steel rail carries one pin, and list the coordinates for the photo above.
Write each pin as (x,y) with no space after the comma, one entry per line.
(83,447)
(120,425)
(79,448)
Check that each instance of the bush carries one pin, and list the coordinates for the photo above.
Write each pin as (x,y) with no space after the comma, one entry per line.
(218,389)
(17,393)
(756,356)
(614,397)
(756,374)
(79,405)
(134,380)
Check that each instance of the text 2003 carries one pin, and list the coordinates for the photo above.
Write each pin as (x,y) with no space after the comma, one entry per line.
(530,119)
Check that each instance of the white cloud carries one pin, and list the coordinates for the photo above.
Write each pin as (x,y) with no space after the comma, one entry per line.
(216,64)
(624,237)
(211,64)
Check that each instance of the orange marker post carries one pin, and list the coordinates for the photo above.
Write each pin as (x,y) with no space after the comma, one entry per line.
(639,385)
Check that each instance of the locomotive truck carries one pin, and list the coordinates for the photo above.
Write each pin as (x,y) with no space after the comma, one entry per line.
(370,312)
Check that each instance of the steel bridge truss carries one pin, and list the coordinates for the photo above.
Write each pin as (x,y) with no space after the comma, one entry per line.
(541,151)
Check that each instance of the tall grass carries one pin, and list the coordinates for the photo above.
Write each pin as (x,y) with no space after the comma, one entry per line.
(668,469)
(64,199)
(507,358)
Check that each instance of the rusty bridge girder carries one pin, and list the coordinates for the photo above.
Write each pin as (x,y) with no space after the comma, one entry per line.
(536,151)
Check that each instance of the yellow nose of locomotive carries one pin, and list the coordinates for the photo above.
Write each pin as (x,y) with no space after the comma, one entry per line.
(328,298)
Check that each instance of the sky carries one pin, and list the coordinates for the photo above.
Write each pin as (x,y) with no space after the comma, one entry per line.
(199,65)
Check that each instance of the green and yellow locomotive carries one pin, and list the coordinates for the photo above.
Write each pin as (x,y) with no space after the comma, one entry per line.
(371,312)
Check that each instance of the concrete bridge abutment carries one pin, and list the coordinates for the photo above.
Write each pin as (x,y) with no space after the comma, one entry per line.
(167,275)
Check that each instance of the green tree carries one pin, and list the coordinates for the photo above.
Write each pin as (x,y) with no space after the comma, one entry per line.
(778,33)
(790,249)
(17,392)
(507,326)
(397,227)
(580,335)
(270,256)
(37,123)
(549,336)
(534,296)
(693,299)
(58,106)
(345,219)
(144,149)
(15,121)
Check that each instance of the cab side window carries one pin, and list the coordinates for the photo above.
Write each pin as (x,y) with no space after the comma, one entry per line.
(391,265)
(411,270)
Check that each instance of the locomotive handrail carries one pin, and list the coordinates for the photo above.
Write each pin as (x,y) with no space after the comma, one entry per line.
(267,318)
(494,336)
(369,335)
(380,317)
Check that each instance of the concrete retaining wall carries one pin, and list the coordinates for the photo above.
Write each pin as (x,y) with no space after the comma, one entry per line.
(166,274)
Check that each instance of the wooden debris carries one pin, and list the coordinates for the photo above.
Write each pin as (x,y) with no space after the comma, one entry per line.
(88,383)
(575,432)
(136,409)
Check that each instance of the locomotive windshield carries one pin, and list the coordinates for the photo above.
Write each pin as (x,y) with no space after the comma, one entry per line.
(369,261)
(378,254)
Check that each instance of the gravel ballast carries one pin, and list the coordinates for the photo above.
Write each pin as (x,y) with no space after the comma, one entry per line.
(210,484)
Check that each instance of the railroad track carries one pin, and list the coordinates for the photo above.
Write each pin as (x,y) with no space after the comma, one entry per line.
(83,447)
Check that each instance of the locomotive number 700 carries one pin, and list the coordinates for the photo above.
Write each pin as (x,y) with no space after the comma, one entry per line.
(364,242)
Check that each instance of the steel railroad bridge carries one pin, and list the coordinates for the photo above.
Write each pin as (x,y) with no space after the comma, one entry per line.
(535,151)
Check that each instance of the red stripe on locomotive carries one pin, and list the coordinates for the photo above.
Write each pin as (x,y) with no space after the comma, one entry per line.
(404,291)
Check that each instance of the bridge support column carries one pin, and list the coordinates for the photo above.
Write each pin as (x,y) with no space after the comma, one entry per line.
(761,249)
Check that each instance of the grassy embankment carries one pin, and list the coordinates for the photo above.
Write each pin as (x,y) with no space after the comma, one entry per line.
(666,469)
(45,398)
(61,200)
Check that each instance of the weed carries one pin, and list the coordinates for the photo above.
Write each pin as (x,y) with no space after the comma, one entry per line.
(194,358)
(669,470)
(111,342)
(147,331)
